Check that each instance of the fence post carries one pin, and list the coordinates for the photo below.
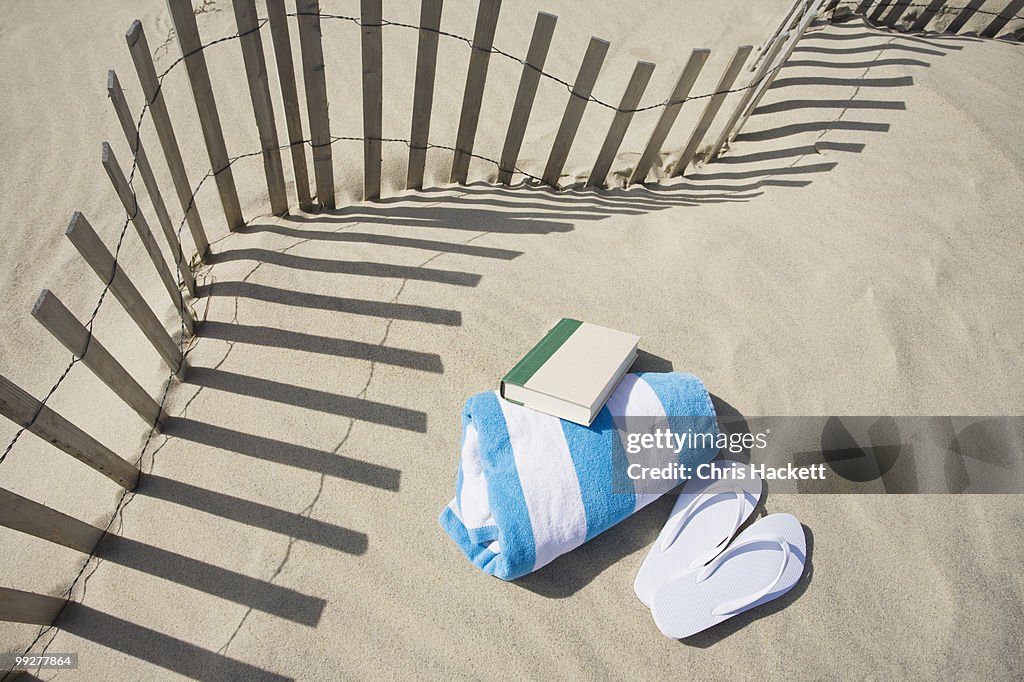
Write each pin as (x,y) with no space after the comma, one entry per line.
(593,59)
(476,78)
(21,408)
(543,30)
(760,90)
(262,106)
(784,25)
(87,242)
(1002,19)
(191,47)
(289,94)
(139,50)
(726,136)
(373,95)
(879,10)
(423,98)
(897,11)
(926,16)
(184,21)
(711,110)
(965,15)
(60,322)
(652,151)
(311,47)
(131,133)
(131,206)
(28,516)
(17,606)
(620,123)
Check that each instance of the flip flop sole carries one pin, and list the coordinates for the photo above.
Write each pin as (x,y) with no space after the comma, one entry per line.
(711,523)
(764,562)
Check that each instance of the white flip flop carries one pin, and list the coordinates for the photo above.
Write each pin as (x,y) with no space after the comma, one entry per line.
(706,516)
(764,562)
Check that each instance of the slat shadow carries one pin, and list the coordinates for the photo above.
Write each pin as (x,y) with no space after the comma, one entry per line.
(801,104)
(288,454)
(254,593)
(384,240)
(308,398)
(451,216)
(322,345)
(254,514)
(333,266)
(336,304)
(815,126)
(154,647)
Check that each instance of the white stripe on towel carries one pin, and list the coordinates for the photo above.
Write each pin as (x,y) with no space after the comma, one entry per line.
(636,398)
(549,482)
(473,502)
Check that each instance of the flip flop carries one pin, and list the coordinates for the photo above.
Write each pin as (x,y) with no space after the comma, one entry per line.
(764,562)
(706,516)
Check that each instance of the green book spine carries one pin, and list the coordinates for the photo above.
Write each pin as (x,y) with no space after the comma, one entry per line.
(540,353)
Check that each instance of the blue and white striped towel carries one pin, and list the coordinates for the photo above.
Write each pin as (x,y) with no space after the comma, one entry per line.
(532,487)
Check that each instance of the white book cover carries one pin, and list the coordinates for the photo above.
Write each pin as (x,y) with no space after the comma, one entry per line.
(571,372)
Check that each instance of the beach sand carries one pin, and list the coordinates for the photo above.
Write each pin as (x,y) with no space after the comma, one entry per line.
(858,251)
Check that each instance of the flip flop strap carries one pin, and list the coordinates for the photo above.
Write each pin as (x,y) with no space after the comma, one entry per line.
(680,520)
(738,605)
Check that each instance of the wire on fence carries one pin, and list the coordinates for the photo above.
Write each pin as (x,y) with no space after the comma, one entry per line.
(263,22)
(356,20)
(568,85)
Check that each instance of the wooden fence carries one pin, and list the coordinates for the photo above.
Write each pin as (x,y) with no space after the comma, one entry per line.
(175,274)
(892,12)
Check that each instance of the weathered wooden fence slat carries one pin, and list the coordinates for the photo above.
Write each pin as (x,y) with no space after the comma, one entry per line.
(764,87)
(863,6)
(24,410)
(138,47)
(792,16)
(652,152)
(373,95)
(999,21)
(131,206)
(28,516)
(921,23)
(897,11)
(312,50)
(184,20)
(879,10)
(711,110)
(131,134)
(476,79)
(423,95)
(278,19)
(748,94)
(102,262)
(582,87)
(965,15)
(620,123)
(66,328)
(262,106)
(536,56)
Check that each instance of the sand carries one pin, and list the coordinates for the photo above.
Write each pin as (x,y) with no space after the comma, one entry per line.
(857,252)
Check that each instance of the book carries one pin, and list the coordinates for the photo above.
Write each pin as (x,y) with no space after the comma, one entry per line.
(571,372)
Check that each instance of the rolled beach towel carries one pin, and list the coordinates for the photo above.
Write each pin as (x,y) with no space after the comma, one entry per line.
(532,487)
